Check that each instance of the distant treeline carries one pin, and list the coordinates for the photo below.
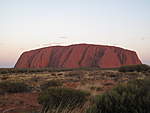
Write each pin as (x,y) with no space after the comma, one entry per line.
(128,68)
(132,68)
(37,70)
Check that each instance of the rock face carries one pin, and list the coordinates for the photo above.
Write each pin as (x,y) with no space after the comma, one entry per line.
(79,55)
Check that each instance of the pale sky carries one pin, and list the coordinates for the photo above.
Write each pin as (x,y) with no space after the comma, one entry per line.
(31,24)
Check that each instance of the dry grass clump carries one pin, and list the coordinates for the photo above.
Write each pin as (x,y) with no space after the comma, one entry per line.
(56,100)
(51,83)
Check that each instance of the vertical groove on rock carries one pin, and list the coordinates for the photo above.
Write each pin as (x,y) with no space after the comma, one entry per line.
(67,57)
(57,52)
(124,59)
(51,56)
(60,55)
(133,59)
(98,55)
(121,56)
(32,57)
(83,55)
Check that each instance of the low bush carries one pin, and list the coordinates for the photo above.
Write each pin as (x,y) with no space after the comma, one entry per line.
(133,97)
(51,83)
(61,98)
(13,87)
(131,68)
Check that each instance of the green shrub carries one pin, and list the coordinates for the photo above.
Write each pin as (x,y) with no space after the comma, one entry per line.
(61,98)
(131,68)
(133,97)
(51,83)
(13,87)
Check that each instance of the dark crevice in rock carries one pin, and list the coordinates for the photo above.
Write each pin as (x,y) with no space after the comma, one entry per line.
(98,55)
(67,57)
(121,56)
(51,60)
(83,55)
(56,57)
(30,60)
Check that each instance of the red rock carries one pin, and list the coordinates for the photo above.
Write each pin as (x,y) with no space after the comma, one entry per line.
(79,55)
